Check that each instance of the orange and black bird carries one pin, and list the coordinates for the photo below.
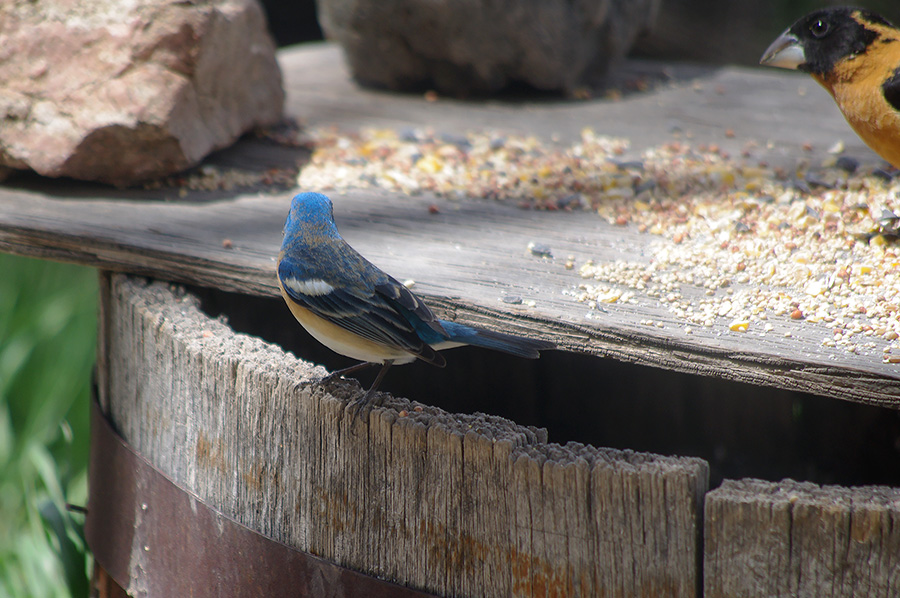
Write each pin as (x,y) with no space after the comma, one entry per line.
(855,55)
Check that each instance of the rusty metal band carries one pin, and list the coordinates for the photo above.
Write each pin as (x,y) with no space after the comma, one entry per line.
(157,539)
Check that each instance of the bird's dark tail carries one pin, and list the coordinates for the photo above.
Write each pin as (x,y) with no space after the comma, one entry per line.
(498,341)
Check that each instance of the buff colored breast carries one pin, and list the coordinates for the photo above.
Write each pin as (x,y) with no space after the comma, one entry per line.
(341,341)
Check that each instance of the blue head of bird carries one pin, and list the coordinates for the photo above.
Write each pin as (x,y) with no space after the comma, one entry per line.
(311,215)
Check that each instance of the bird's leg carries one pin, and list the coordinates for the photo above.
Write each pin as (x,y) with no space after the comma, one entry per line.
(338,373)
(387,364)
(362,405)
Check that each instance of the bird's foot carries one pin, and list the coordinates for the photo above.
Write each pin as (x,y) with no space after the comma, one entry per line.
(361,407)
(330,378)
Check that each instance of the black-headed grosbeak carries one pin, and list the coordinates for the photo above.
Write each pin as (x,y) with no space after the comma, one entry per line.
(855,55)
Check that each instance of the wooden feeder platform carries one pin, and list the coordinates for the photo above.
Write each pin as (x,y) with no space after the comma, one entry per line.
(204,376)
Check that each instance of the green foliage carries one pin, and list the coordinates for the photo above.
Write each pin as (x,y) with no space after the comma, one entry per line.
(47,350)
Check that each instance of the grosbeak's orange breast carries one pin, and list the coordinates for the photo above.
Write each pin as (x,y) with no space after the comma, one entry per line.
(856,84)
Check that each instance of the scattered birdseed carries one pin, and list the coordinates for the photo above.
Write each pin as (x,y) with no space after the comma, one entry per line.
(485,165)
(739,326)
(540,250)
(213,178)
(757,246)
(837,148)
(735,241)
(847,163)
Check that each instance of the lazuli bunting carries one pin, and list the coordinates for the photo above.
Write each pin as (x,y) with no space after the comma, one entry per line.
(352,307)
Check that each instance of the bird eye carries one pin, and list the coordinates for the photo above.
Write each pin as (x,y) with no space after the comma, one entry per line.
(819,28)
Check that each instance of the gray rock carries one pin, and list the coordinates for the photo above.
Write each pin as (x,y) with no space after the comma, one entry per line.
(120,91)
(462,47)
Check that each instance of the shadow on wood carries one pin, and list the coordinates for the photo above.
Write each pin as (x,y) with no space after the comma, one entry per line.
(740,429)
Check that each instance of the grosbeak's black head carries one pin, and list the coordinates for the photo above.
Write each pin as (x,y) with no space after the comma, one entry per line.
(822,39)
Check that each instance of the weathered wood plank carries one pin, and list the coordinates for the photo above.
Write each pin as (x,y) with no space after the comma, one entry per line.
(472,254)
(701,102)
(466,505)
(464,261)
(801,539)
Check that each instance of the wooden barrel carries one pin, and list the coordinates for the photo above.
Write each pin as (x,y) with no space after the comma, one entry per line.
(416,499)
(455,505)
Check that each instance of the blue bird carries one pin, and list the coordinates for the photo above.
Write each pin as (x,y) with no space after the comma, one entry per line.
(352,307)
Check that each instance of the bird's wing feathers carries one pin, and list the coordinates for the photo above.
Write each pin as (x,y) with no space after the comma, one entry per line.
(367,312)
(392,290)
(891,89)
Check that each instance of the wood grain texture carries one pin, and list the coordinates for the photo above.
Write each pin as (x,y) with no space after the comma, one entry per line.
(801,539)
(786,108)
(463,260)
(462,505)
(472,254)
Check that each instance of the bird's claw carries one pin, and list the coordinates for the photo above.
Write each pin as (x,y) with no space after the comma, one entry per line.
(324,380)
(361,407)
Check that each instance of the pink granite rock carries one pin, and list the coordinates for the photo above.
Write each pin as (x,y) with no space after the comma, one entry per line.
(121,91)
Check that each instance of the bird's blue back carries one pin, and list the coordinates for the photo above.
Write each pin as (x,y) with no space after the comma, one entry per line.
(364,300)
